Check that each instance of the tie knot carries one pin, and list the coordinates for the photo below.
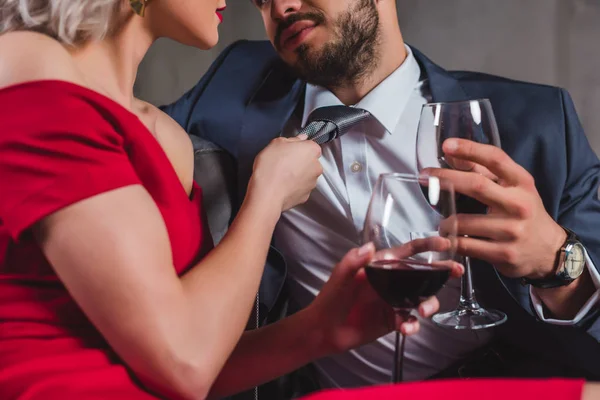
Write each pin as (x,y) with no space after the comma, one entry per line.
(327,123)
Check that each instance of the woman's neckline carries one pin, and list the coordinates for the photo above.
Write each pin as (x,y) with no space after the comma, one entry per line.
(111,101)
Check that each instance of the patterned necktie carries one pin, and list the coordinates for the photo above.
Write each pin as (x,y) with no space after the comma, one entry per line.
(327,123)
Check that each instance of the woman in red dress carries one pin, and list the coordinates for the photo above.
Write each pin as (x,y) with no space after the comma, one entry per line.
(109,287)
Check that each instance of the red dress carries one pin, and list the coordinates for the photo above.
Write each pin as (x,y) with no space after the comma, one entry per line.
(61,143)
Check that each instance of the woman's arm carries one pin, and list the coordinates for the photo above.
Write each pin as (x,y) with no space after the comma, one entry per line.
(113,253)
(347,313)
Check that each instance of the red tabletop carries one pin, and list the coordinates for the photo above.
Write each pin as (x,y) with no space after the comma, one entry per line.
(470,389)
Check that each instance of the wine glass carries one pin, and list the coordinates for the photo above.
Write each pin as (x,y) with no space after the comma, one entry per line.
(473,120)
(412,223)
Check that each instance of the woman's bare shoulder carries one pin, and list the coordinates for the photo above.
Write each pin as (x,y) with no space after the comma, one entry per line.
(30,56)
(162,119)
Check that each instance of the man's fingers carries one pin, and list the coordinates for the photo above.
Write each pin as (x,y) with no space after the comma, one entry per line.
(479,188)
(459,164)
(490,226)
(498,254)
(490,157)
(470,166)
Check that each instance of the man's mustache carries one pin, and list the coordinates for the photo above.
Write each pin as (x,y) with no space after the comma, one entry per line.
(315,17)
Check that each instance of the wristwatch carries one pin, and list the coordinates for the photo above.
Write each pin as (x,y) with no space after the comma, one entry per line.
(570,264)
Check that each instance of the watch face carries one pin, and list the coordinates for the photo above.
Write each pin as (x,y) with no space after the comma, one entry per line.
(575,261)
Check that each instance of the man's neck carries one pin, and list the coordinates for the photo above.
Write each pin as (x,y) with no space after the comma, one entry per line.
(392,55)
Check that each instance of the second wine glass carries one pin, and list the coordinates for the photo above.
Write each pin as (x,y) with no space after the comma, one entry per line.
(472,120)
(412,223)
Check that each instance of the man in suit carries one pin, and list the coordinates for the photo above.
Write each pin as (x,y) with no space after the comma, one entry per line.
(542,186)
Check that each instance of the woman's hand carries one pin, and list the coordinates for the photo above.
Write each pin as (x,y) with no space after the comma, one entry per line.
(348,313)
(286,171)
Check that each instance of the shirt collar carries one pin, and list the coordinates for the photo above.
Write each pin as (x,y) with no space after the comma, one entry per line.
(386,102)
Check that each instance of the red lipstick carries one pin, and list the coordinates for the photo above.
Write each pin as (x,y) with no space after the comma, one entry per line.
(218,12)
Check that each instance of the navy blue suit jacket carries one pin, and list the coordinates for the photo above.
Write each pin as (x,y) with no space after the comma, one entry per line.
(248,94)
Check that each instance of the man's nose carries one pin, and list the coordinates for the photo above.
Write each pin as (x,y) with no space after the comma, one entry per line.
(281,9)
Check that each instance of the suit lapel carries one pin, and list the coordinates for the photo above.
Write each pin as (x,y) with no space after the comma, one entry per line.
(266,113)
(443,86)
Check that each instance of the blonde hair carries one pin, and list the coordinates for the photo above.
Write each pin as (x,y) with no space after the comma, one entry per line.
(71,22)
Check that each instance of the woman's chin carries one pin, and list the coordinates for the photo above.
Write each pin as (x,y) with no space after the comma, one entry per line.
(209,44)
(202,42)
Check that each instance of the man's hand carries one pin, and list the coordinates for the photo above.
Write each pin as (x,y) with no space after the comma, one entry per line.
(517,235)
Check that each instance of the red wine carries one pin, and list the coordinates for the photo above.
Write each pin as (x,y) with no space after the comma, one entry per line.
(405,283)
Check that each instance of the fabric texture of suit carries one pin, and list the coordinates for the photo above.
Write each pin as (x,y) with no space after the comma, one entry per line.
(248,94)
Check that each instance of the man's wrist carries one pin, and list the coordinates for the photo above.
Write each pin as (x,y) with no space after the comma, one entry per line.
(550,263)
(564,302)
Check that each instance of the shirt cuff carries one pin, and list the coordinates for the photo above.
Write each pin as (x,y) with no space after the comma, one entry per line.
(587,307)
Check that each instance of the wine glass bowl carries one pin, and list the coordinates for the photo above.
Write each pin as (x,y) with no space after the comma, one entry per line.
(471,120)
(404,284)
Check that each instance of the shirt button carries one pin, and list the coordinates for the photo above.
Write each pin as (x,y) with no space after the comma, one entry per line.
(356,167)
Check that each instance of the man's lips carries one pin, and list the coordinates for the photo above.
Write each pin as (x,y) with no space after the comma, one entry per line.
(294,31)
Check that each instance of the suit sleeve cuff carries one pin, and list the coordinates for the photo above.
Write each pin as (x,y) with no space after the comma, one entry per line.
(587,307)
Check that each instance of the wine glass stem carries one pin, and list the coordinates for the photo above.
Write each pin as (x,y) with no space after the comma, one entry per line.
(467,295)
(399,349)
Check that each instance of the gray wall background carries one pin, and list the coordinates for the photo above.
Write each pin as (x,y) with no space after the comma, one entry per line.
(554,42)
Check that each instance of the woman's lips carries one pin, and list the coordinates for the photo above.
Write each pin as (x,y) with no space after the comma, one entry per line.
(218,12)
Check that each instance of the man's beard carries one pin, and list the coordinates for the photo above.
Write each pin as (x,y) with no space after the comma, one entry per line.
(350,56)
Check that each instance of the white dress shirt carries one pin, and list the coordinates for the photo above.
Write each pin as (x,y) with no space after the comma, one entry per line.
(317,234)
